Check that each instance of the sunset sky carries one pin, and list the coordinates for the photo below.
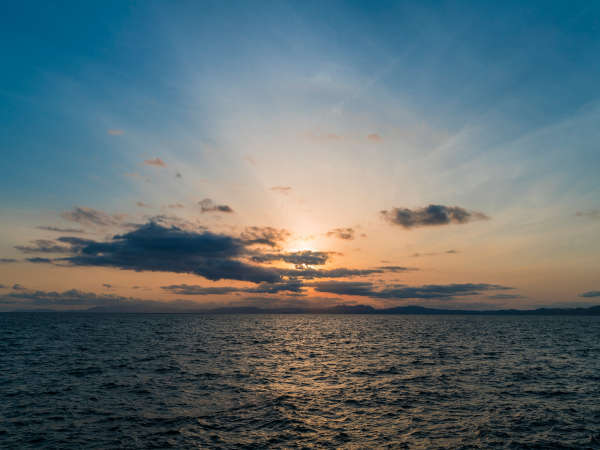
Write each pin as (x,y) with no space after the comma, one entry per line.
(275,154)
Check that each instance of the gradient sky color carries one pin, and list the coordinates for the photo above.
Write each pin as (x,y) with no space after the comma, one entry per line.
(449,149)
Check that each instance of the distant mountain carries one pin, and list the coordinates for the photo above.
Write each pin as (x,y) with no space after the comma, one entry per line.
(338,309)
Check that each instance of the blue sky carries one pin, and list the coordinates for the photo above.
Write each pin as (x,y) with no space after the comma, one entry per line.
(357,107)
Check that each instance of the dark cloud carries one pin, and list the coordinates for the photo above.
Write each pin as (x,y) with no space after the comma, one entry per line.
(431,215)
(301,258)
(3,286)
(342,233)
(75,241)
(152,247)
(265,235)
(155,162)
(431,291)
(77,298)
(143,205)
(178,175)
(285,190)
(590,294)
(591,214)
(107,285)
(18,287)
(174,221)
(207,205)
(43,246)
(38,260)
(89,216)
(7,260)
(60,230)
(266,288)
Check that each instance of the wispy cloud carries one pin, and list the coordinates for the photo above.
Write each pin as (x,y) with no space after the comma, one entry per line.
(263,288)
(207,205)
(591,214)
(115,132)
(285,190)
(374,137)
(43,246)
(430,291)
(431,215)
(90,216)
(157,162)
(447,252)
(342,233)
(38,260)
(590,294)
(7,260)
(60,230)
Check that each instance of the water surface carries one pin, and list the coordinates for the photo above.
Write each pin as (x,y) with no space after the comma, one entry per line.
(254,381)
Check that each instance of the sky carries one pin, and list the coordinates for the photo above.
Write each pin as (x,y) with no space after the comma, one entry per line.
(300,154)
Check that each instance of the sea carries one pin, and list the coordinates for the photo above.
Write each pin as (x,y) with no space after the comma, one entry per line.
(84,380)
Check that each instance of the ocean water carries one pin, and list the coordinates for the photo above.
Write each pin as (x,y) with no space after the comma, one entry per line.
(257,381)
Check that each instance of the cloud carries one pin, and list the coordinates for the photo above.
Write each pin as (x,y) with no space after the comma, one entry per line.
(178,175)
(591,214)
(590,294)
(207,205)
(343,272)
(18,287)
(174,221)
(90,216)
(60,230)
(38,260)
(43,246)
(157,162)
(301,258)
(447,252)
(265,288)
(115,132)
(374,137)
(77,298)
(431,215)
(175,205)
(431,291)
(285,190)
(107,285)
(153,247)
(265,235)
(7,260)
(342,233)
(143,205)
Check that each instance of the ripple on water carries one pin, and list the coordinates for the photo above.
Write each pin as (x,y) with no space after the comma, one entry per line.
(160,381)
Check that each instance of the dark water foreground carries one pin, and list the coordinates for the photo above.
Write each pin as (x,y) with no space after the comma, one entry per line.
(158,381)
